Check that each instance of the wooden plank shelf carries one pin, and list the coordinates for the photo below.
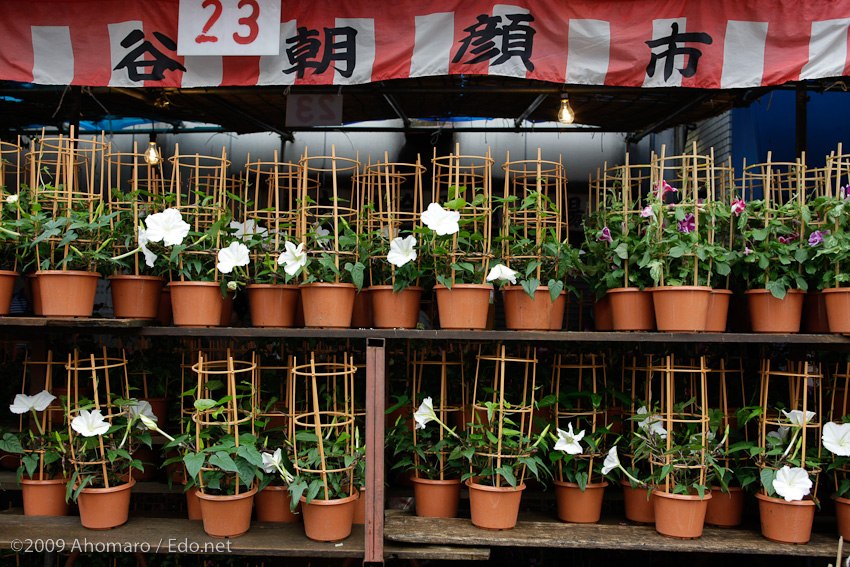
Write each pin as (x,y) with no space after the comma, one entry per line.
(177,535)
(91,324)
(539,530)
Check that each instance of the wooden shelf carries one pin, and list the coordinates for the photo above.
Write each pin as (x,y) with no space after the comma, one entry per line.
(163,535)
(539,530)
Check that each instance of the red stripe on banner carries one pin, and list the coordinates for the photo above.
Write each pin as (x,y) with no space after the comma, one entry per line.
(394,41)
(240,70)
(787,46)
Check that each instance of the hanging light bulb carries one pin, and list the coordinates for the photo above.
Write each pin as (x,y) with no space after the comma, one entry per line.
(565,113)
(152,156)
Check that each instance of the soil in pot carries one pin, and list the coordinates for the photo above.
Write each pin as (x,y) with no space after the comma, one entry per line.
(328,305)
(272,505)
(395,310)
(135,297)
(44,497)
(771,315)
(67,293)
(105,508)
(329,520)
(577,506)
(227,515)
(494,507)
(631,309)
(464,306)
(786,522)
(436,498)
(679,515)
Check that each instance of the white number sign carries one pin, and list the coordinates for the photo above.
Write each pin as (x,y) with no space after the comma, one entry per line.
(313,110)
(228,27)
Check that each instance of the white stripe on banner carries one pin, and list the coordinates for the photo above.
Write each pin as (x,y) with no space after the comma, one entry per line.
(743,54)
(53,55)
(202,71)
(662,29)
(588,52)
(827,49)
(432,48)
(513,67)
(117,32)
(272,66)
(365,41)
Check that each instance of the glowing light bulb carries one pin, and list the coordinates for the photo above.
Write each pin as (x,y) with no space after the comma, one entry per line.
(565,113)
(152,156)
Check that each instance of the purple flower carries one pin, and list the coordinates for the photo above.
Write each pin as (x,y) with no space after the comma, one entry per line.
(844,193)
(688,225)
(648,212)
(738,206)
(662,188)
(817,237)
(747,250)
(789,239)
(606,236)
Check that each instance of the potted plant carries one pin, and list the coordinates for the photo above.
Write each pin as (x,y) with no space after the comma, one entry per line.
(836,440)
(272,500)
(12,250)
(830,252)
(394,290)
(42,473)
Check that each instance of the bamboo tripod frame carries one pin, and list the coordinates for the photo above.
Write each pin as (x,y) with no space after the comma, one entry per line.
(280,413)
(54,414)
(66,169)
(836,183)
(11,168)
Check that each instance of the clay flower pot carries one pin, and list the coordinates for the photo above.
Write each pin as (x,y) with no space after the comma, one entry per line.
(193,503)
(837,301)
(395,310)
(771,315)
(7,287)
(679,515)
(786,522)
(105,508)
(163,314)
(67,293)
(842,517)
(44,497)
(638,503)
(816,313)
(602,316)
(196,304)
(681,308)
(35,295)
(525,314)
(577,506)
(272,305)
(631,309)
(725,509)
(361,313)
(135,297)
(464,306)
(436,498)
(494,507)
(718,310)
(227,515)
(272,504)
(328,305)
(329,520)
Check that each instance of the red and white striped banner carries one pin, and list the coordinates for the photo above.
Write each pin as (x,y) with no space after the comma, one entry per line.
(649,43)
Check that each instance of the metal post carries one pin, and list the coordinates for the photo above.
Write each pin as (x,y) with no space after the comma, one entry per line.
(375,408)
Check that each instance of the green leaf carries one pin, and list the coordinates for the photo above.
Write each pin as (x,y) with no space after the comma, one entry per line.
(767,476)
(508,474)
(760,234)
(224,462)
(776,289)
(356,271)
(204,404)
(622,251)
(530,286)
(250,454)
(193,462)
(555,289)
(454,204)
(677,252)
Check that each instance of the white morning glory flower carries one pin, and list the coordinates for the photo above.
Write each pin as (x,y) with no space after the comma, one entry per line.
(836,438)
(234,255)
(402,251)
(139,409)
(12,199)
(440,220)
(37,402)
(612,461)
(294,257)
(652,424)
(271,462)
(796,417)
(245,231)
(568,442)
(778,436)
(167,227)
(501,273)
(425,414)
(792,484)
(90,423)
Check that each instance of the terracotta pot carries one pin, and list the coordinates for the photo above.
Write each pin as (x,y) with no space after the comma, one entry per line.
(837,303)
(842,517)
(464,306)
(359,517)
(329,520)
(272,305)
(163,313)
(226,319)
(67,293)
(631,309)
(602,316)
(638,504)
(7,287)
(328,305)
(679,515)
(786,522)
(272,504)
(135,297)
(361,314)
(771,315)
(436,498)
(558,313)
(395,310)
(525,314)
(816,313)
(44,497)
(196,304)
(35,294)
(680,308)
(494,507)
(227,515)
(725,509)
(193,503)
(577,506)
(105,508)
(718,310)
